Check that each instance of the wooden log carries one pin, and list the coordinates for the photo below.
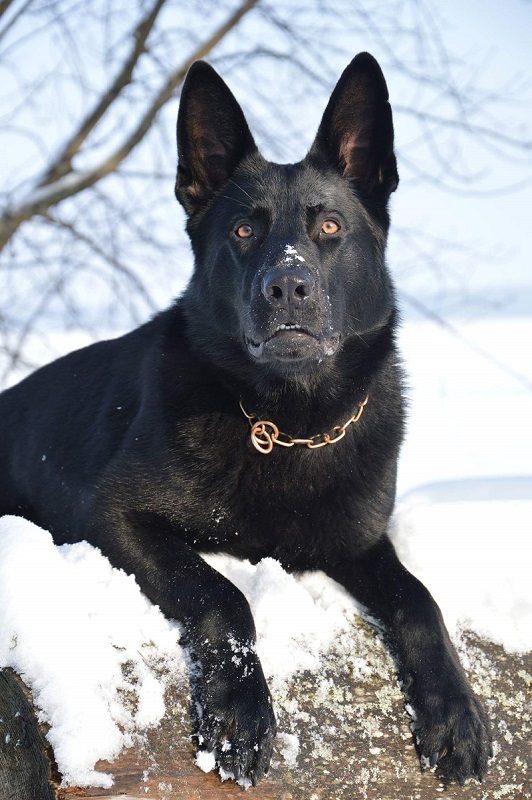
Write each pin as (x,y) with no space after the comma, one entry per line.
(24,755)
(354,738)
(353,735)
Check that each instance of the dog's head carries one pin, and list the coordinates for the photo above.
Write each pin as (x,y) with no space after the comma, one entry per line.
(289,259)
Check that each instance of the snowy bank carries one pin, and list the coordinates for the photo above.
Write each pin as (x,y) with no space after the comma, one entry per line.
(99,657)
(470,543)
(87,643)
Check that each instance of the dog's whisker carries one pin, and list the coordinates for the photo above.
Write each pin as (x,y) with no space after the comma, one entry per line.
(232,180)
(234,200)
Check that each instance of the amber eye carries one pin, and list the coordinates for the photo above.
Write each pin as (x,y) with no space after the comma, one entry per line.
(329,227)
(244,231)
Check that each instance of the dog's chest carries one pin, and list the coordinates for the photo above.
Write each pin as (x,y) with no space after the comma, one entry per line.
(253,505)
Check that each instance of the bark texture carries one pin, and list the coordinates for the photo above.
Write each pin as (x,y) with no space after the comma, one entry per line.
(24,756)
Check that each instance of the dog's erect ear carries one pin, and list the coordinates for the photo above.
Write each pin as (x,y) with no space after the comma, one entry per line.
(356,130)
(212,136)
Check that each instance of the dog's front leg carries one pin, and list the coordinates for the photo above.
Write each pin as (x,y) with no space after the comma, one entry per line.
(232,700)
(451,727)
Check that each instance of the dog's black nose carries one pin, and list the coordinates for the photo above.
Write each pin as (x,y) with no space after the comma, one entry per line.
(281,286)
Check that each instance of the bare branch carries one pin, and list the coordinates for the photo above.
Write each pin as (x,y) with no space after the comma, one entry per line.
(4,6)
(449,122)
(72,183)
(96,248)
(63,163)
(74,115)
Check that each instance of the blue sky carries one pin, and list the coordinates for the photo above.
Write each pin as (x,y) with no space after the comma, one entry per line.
(480,240)
(498,225)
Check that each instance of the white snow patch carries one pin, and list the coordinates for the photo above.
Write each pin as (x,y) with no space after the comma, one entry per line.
(205,760)
(467,416)
(290,748)
(296,618)
(226,775)
(81,634)
(291,254)
(470,544)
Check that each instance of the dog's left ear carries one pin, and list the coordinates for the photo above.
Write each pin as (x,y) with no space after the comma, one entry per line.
(212,137)
(356,130)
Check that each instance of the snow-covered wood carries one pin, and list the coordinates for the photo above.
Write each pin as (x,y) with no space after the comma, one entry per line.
(354,740)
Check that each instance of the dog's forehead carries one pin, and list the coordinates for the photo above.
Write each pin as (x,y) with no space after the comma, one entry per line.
(288,188)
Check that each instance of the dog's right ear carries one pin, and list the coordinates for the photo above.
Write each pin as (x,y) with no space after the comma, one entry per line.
(212,137)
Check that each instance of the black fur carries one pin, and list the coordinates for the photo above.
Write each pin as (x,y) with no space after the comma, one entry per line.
(139,445)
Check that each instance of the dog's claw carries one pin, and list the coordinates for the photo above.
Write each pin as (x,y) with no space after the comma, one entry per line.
(237,724)
(456,734)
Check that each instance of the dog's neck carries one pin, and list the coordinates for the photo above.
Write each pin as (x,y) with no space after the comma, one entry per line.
(299,402)
(309,404)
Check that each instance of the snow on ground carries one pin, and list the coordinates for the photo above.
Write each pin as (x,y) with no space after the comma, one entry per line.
(296,618)
(469,414)
(473,549)
(464,510)
(98,656)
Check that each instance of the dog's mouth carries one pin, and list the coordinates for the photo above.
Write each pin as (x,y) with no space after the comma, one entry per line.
(292,342)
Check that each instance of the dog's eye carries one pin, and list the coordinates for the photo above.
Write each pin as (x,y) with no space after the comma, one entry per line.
(329,227)
(244,231)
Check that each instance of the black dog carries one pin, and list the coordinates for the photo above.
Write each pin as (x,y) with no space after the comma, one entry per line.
(289,320)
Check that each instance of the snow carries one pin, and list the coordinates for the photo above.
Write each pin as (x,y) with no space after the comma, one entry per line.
(205,760)
(469,410)
(84,638)
(291,255)
(84,658)
(289,748)
(462,522)
(475,556)
(296,618)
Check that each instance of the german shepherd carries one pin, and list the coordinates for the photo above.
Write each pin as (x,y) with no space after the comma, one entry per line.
(271,391)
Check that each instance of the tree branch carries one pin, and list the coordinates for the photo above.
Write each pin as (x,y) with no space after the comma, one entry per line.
(72,183)
(4,6)
(63,162)
(112,260)
(464,124)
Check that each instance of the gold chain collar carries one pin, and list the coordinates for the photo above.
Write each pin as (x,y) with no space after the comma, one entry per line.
(264,433)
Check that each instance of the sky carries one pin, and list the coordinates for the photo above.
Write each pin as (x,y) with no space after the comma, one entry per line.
(467,251)
(497,225)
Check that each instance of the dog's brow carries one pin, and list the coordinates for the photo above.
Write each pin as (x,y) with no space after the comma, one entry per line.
(262,211)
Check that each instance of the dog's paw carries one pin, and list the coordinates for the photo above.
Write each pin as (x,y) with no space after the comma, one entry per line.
(236,722)
(453,736)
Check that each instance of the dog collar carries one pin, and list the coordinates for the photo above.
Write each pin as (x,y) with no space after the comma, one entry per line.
(264,433)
